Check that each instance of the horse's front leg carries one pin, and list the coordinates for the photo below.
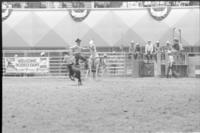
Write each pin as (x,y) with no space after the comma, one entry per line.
(97,69)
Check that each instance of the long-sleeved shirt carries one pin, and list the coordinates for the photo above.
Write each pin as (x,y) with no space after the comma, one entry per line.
(77,49)
(171,60)
(148,48)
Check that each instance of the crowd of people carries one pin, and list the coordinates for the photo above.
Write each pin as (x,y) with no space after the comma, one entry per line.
(151,52)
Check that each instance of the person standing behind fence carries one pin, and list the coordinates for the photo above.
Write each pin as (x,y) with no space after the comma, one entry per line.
(137,51)
(149,51)
(170,69)
(69,59)
(131,47)
(156,50)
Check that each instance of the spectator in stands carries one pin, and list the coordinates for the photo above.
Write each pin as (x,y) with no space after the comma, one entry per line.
(177,46)
(149,51)
(15,55)
(42,54)
(136,50)
(156,49)
(131,47)
(168,46)
(76,49)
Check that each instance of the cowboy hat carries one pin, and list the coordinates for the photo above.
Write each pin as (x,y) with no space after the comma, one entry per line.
(167,42)
(42,53)
(78,40)
(104,55)
(157,42)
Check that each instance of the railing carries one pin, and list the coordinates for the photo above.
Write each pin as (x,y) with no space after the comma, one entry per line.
(115,62)
(118,63)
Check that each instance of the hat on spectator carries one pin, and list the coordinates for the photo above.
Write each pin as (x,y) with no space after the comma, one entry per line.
(167,42)
(42,53)
(15,55)
(137,43)
(78,40)
(132,41)
(104,55)
(157,42)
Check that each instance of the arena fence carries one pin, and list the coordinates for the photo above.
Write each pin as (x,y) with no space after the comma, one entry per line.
(115,62)
(118,63)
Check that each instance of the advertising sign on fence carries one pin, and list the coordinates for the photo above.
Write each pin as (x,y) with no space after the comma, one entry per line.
(27,64)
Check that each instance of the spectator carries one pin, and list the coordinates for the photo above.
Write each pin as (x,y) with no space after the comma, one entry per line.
(177,46)
(136,51)
(170,69)
(156,49)
(149,51)
(42,54)
(131,47)
(168,46)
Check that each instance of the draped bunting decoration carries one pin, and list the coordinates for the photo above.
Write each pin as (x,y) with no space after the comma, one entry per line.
(159,13)
(6,11)
(79,15)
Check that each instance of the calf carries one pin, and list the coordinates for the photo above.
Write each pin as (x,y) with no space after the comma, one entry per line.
(74,72)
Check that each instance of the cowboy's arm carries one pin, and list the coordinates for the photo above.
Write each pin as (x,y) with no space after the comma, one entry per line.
(73,47)
(84,48)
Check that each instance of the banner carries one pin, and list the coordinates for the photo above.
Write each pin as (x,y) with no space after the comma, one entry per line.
(27,64)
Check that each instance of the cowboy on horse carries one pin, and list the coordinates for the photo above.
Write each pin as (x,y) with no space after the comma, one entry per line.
(76,49)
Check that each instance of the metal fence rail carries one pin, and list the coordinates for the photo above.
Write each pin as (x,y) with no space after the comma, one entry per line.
(115,62)
(118,63)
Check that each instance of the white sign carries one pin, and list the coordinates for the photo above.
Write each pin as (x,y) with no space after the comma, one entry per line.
(27,64)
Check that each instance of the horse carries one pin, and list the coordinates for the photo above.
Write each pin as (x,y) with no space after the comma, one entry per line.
(95,64)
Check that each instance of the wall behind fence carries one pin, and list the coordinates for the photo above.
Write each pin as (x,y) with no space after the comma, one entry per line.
(56,28)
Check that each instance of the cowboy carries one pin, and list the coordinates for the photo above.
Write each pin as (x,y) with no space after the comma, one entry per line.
(77,51)
(69,59)
(149,50)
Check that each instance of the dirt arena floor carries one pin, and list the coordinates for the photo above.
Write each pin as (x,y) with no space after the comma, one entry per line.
(110,105)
